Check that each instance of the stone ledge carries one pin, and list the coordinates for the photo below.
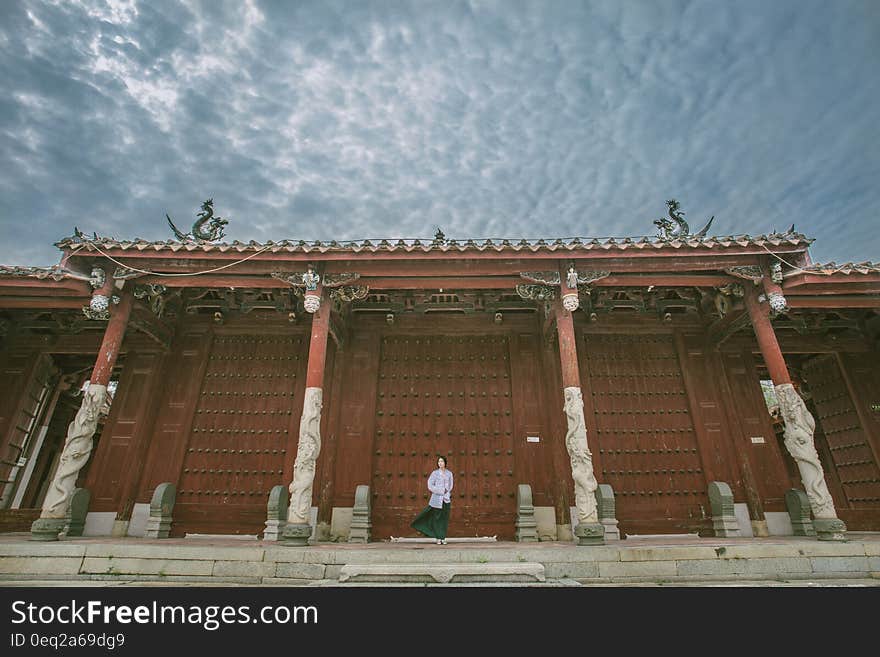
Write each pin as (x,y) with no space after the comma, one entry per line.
(443,573)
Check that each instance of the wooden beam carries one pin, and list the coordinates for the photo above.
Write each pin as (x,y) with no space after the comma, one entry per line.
(839,288)
(833,302)
(820,279)
(667,280)
(81,287)
(721,256)
(40,303)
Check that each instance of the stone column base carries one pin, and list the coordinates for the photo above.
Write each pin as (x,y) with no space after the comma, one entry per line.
(296,535)
(47,529)
(829,529)
(592,533)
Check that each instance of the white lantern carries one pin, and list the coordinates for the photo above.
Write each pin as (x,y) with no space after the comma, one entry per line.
(777,302)
(99,303)
(312,302)
(570,302)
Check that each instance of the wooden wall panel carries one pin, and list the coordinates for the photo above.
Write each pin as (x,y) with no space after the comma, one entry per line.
(181,383)
(243,434)
(763,461)
(115,466)
(849,443)
(644,434)
(357,401)
(533,460)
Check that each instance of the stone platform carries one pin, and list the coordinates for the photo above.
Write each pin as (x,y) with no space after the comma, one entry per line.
(634,561)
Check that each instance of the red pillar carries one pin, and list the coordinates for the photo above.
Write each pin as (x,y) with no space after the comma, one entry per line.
(767,342)
(318,342)
(571,377)
(113,336)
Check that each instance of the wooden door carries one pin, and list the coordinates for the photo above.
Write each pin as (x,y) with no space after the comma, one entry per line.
(446,395)
(848,444)
(639,422)
(244,432)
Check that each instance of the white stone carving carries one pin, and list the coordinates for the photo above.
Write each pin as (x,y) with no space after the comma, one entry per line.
(581,458)
(799,428)
(312,302)
(570,302)
(99,303)
(75,454)
(777,302)
(307,452)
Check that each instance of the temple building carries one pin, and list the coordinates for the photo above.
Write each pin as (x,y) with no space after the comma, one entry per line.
(653,365)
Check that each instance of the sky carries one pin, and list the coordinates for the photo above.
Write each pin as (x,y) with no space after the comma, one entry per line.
(351,120)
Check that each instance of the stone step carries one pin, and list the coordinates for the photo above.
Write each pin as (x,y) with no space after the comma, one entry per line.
(443,573)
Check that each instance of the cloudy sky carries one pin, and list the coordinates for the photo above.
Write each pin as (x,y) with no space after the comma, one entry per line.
(549,118)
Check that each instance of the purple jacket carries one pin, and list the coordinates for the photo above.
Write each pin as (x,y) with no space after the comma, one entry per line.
(440,485)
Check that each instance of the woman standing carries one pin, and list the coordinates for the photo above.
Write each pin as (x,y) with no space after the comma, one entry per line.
(434,519)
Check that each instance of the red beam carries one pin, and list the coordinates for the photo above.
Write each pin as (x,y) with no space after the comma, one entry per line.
(82,287)
(669,280)
(431,283)
(851,289)
(113,335)
(216,280)
(833,302)
(839,278)
(318,344)
(40,303)
(567,346)
(719,254)
(767,342)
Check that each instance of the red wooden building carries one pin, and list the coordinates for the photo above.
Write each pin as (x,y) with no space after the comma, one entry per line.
(459,347)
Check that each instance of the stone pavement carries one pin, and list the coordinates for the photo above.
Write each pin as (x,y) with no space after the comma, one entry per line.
(655,561)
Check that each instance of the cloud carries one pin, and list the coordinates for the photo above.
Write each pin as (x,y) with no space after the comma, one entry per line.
(353,120)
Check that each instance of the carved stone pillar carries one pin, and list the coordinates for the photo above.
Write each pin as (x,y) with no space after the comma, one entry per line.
(80,432)
(589,530)
(298,528)
(799,424)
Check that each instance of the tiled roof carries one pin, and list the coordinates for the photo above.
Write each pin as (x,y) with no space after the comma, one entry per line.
(846,268)
(447,246)
(55,272)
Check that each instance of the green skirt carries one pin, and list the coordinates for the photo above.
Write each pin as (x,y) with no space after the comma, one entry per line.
(433,522)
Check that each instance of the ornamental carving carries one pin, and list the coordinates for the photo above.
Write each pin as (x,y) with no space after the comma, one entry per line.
(338,280)
(311,302)
(154,295)
(307,451)
(536,292)
(581,459)
(776,272)
(75,454)
(97,278)
(676,227)
(125,273)
(778,303)
(544,277)
(348,293)
(798,440)
(207,227)
(748,272)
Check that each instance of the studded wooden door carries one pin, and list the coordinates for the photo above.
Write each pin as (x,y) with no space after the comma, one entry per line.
(847,439)
(640,425)
(444,395)
(243,434)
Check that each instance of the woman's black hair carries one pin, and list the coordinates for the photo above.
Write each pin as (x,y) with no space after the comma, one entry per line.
(445,460)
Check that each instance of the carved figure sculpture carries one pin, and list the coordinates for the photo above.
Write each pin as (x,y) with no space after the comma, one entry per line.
(311,279)
(798,440)
(77,447)
(207,228)
(307,451)
(676,226)
(581,459)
